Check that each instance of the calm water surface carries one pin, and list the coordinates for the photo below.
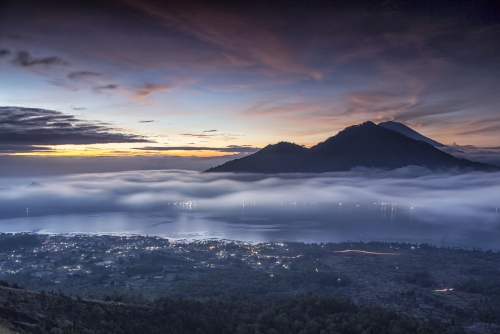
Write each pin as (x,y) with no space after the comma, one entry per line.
(307,222)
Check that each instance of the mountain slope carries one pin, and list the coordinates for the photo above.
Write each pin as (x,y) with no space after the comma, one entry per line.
(409,132)
(367,145)
(282,157)
(32,312)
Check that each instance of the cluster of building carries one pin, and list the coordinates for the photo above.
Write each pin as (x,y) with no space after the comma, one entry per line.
(65,262)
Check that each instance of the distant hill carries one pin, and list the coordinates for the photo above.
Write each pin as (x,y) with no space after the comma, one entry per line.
(409,132)
(364,145)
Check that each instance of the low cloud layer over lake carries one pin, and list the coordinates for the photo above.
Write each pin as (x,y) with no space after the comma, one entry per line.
(445,207)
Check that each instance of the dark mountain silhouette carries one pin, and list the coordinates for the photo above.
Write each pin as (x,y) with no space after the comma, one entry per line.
(364,145)
(409,132)
(282,157)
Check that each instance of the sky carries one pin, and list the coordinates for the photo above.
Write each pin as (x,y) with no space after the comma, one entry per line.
(211,81)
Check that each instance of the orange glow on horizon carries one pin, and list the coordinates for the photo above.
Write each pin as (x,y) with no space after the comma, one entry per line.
(124,153)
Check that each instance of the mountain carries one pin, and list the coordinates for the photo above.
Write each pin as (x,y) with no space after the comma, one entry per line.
(364,145)
(409,132)
(282,157)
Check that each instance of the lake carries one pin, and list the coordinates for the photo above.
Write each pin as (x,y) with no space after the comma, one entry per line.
(307,222)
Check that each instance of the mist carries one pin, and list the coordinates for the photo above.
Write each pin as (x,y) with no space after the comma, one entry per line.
(150,190)
(451,206)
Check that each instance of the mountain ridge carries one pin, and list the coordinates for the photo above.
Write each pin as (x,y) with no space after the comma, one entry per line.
(409,132)
(362,145)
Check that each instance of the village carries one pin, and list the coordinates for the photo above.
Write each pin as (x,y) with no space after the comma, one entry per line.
(423,281)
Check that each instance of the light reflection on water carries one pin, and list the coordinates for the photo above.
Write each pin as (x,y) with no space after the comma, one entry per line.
(307,222)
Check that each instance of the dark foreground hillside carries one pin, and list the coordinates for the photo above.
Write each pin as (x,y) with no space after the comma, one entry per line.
(33,312)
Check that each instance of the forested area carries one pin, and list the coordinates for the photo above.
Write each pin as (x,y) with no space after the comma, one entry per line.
(422,279)
(307,313)
(488,285)
(238,285)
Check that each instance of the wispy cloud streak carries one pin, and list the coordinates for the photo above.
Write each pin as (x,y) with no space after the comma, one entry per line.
(23,58)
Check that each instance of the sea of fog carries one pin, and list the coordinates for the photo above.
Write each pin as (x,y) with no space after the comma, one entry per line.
(410,204)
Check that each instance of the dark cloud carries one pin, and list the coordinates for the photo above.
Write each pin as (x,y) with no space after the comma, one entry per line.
(147,121)
(196,135)
(210,131)
(229,148)
(79,74)
(4,52)
(7,149)
(104,87)
(279,37)
(34,126)
(23,58)
(225,136)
